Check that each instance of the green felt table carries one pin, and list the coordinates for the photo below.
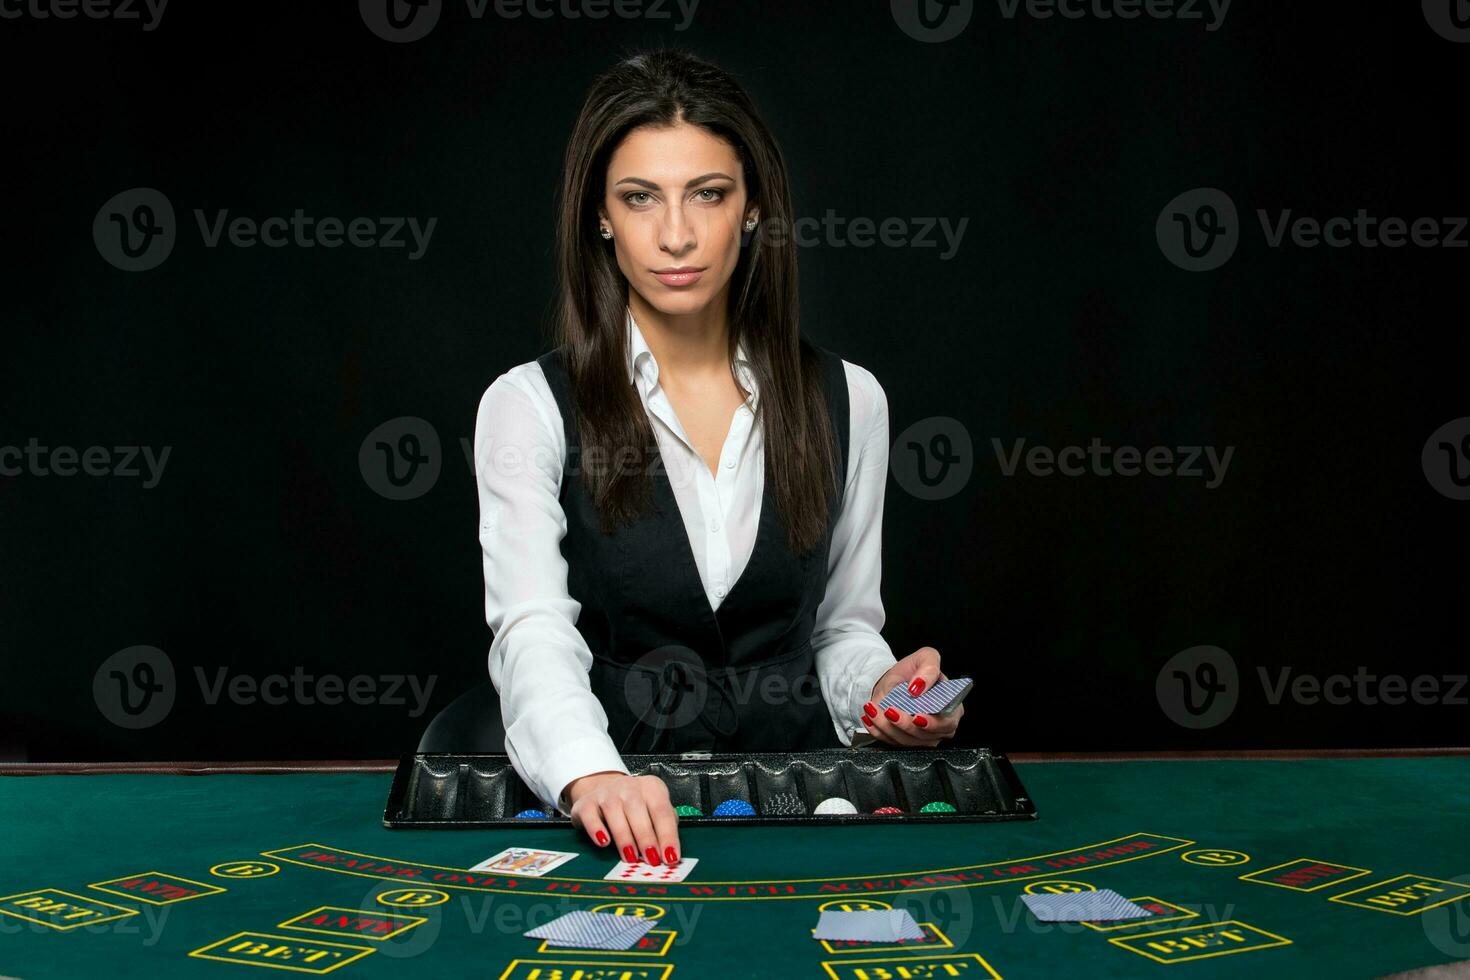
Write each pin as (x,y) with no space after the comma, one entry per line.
(1342,867)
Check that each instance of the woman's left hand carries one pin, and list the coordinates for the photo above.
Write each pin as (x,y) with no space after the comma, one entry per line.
(918,672)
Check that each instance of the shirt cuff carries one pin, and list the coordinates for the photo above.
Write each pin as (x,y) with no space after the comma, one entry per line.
(858,678)
(572,761)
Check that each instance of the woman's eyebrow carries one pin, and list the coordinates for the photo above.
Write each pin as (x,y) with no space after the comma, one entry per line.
(715,175)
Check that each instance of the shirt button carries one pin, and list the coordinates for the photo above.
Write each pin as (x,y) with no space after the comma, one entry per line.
(720,591)
(714,525)
(729,464)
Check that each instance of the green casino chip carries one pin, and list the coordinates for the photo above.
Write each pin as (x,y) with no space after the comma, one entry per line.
(688,811)
(938,806)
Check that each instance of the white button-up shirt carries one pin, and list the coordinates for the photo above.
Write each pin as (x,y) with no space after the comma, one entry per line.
(556,730)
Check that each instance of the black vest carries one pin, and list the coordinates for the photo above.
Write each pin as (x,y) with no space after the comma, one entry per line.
(672,673)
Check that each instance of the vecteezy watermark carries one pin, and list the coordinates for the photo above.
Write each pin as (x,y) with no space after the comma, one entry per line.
(401,458)
(1198,687)
(1446,459)
(402,21)
(1199,230)
(933,458)
(1448,925)
(34,459)
(671,687)
(308,689)
(1450,19)
(147,12)
(1211,12)
(136,230)
(137,688)
(935,21)
(1097,459)
(1363,687)
(835,231)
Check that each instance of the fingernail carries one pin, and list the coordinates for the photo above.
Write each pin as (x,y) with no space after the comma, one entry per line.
(671,857)
(916,687)
(601,839)
(867,721)
(921,720)
(653,855)
(891,714)
(870,709)
(630,855)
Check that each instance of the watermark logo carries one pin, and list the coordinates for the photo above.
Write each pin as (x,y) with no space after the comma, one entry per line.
(933,458)
(1199,687)
(148,12)
(35,459)
(667,688)
(401,458)
(1180,10)
(1448,925)
(932,21)
(1446,459)
(400,21)
(135,230)
(1199,230)
(1099,459)
(1450,19)
(135,688)
(833,230)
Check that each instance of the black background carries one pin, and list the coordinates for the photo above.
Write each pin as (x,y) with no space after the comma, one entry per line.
(264,550)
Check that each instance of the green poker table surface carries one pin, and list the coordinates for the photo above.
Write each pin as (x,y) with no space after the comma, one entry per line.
(1272,865)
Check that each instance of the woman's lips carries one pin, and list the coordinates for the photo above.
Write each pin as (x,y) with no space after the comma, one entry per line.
(679,278)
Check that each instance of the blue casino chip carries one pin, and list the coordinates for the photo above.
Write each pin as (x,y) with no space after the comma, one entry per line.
(734,808)
(532,815)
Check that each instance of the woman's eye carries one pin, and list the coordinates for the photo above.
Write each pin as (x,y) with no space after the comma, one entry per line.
(720,195)
(629,197)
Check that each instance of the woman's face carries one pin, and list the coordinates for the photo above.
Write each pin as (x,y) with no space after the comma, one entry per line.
(676,199)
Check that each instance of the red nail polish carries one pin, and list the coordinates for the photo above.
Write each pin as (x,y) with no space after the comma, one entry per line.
(653,855)
(630,855)
(870,709)
(601,839)
(867,721)
(916,687)
(891,714)
(921,721)
(671,857)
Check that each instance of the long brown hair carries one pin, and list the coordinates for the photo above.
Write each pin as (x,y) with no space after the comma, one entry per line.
(661,88)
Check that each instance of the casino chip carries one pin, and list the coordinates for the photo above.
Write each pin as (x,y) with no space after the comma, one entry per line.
(888,809)
(785,805)
(938,806)
(688,811)
(531,815)
(734,808)
(835,804)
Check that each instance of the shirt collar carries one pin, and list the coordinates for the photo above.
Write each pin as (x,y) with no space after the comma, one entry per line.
(640,361)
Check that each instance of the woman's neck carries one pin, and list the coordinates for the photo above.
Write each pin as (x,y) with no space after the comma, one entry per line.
(686,346)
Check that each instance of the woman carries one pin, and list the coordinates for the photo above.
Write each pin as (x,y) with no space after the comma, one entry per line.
(671,561)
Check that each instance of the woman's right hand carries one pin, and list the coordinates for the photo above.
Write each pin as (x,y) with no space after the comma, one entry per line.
(631,812)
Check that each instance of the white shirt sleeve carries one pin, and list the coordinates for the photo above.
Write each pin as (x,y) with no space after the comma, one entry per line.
(555,728)
(851,654)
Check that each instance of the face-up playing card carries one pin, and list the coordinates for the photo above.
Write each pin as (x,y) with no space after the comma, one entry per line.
(526,861)
(638,871)
(937,700)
